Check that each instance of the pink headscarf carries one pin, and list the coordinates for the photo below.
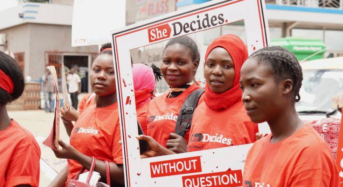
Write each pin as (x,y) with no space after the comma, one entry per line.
(144,83)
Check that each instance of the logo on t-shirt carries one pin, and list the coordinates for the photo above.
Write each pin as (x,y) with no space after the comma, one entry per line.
(196,137)
(89,130)
(168,116)
(217,138)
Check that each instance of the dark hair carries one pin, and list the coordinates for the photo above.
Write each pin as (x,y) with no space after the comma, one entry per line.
(109,52)
(284,65)
(11,68)
(106,45)
(187,42)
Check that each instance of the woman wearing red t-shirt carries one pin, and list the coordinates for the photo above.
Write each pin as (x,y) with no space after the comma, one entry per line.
(180,62)
(144,86)
(222,117)
(96,132)
(294,154)
(19,151)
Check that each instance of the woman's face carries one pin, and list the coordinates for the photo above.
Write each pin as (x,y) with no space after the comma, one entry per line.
(102,76)
(263,96)
(219,70)
(177,66)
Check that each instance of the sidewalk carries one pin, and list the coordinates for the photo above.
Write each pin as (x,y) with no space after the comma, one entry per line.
(39,123)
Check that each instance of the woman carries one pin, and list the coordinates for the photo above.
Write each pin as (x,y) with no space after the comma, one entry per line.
(69,114)
(96,132)
(144,85)
(180,62)
(293,154)
(20,153)
(221,120)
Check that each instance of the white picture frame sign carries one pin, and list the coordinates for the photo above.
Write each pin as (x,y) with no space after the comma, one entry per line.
(217,167)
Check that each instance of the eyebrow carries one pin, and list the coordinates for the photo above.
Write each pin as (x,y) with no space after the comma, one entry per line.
(105,68)
(250,79)
(220,61)
(167,58)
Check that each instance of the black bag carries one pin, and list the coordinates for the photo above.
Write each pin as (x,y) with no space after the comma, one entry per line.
(144,146)
(184,120)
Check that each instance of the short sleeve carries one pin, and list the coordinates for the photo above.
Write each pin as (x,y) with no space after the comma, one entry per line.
(117,152)
(315,167)
(24,165)
(83,103)
(78,78)
(313,178)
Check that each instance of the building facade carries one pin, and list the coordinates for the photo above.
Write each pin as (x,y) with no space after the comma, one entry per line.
(39,34)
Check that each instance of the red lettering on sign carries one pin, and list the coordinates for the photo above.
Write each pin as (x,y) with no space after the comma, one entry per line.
(175,167)
(221,179)
(159,33)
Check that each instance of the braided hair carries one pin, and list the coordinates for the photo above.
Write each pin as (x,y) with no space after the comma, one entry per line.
(284,65)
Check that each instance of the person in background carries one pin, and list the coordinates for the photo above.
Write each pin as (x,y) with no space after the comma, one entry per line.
(19,151)
(74,83)
(84,83)
(49,89)
(294,154)
(144,85)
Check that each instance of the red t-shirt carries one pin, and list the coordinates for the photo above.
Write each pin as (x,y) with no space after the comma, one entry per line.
(86,101)
(89,100)
(142,113)
(162,115)
(19,157)
(215,129)
(303,159)
(97,133)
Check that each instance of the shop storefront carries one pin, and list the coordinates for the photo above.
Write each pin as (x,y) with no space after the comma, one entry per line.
(303,49)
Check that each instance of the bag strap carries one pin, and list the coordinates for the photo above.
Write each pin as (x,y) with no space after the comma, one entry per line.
(108,176)
(184,119)
(91,171)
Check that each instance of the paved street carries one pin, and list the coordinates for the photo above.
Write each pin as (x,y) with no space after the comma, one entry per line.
(39,123)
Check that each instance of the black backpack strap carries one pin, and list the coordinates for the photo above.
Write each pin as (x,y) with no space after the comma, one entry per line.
(184,120)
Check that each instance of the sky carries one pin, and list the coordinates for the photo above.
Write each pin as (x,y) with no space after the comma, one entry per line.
(5,4)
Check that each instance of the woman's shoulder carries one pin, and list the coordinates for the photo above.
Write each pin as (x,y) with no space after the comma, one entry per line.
(313,153)
(310,141)
(20,136)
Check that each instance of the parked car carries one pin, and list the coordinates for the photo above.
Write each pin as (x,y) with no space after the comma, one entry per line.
(322,80)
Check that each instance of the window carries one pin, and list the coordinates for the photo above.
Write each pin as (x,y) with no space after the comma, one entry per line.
(19,57)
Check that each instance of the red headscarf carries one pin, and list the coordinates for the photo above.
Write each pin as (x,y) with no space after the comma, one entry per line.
(239,53)
(6,82)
